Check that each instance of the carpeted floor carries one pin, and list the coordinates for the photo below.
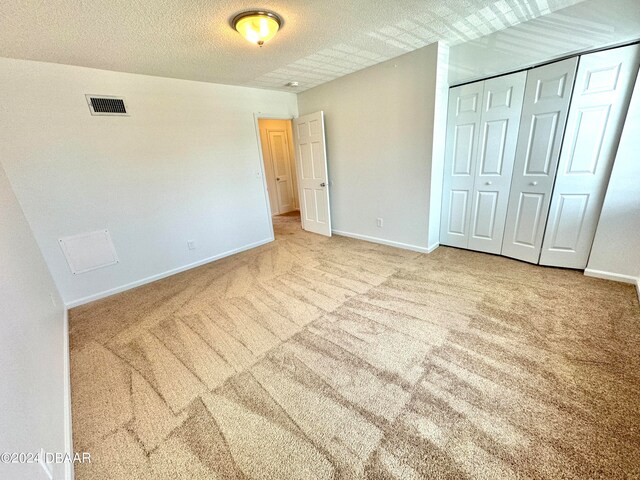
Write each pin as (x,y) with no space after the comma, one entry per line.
(335,358)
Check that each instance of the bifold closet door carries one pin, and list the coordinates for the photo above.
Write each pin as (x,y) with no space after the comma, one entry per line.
(482,130)
(603,88)
(501,109)
(544,115)
(463,122)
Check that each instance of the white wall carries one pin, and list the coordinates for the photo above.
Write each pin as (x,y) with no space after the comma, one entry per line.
(616,248)
(379,127)
(439,144)
(584,26)
(32,345)
(184,166)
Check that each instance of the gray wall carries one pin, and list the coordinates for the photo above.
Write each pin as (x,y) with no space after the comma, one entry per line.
(379,127)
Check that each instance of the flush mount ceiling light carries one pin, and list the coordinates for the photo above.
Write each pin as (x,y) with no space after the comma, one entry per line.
(257,26)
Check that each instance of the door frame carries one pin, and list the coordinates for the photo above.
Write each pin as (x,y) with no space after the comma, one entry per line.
(267,116)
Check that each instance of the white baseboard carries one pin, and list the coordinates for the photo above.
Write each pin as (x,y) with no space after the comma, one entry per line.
(382,241)
(616,277)
(638,288)
(168,273)
(431,248)
(68,431)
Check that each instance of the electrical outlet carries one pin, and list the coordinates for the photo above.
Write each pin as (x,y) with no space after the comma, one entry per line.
(380,223)
(191,244)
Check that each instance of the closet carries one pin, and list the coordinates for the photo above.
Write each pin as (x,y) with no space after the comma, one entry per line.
(482,132)
(528,157)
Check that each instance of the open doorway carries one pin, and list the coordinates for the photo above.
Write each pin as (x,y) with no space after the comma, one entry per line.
(296,177)
(276,142)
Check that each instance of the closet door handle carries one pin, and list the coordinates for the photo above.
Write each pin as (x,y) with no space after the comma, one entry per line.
(533,184)
(488,183)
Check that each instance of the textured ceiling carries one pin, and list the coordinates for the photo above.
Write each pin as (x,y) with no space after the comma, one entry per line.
(191,39)
(585,26)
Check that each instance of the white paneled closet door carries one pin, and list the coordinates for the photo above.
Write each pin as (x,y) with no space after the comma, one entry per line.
(603,88)
(544,114)
(463,122)
(501,109)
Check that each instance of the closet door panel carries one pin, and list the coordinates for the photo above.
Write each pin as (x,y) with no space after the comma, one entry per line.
(501,108)
(544,114)
(463,121)
(604,84)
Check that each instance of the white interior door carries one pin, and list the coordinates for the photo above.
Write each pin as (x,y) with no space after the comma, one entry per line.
(463,123)
(501,109)
(311,166)
(281,162)
(544,115)
(604,84)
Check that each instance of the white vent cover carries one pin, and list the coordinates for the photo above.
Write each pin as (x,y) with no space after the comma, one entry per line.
(89,251)
(106,105)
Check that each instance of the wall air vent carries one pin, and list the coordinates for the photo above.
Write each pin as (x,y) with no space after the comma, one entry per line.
(106,105)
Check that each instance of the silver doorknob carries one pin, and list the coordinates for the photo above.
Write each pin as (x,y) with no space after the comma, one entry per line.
(534,183)
(488,183)
(323,184)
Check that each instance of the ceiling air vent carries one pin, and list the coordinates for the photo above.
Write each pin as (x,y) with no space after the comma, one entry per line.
(106,105)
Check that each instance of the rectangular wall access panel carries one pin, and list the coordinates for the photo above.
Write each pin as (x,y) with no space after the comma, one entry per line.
(89,251)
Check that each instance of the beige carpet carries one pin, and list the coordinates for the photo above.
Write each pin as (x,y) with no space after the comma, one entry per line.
(334,358)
